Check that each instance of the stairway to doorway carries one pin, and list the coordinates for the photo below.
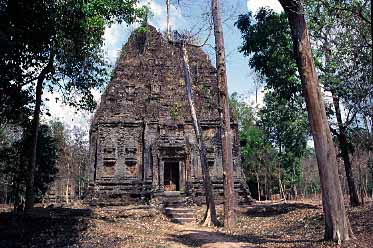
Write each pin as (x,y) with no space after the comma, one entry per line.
(176,209)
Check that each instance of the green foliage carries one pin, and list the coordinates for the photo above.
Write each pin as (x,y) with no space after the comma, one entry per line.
(273,142)
(146,14)
(268,43)
(109,11)
(67,36)
(256,152)
(278,139)
(285,125)
(142,29)
(175,111)
(14,104)
(241,111)
(286,128)
(341,33)
(15,157)
(341,41)
(73,159)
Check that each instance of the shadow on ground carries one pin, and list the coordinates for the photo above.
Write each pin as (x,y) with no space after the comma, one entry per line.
(58,227)
(195,238)
(270,210)
(362,220)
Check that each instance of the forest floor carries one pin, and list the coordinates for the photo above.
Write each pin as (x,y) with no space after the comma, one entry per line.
(264,224)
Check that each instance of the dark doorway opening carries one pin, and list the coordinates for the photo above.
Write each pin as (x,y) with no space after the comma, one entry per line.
(171,176)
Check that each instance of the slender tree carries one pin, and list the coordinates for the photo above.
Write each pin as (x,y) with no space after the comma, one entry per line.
(210,216)
(337,225)
(344,146)
(341,34)
(229,197)
(30,191)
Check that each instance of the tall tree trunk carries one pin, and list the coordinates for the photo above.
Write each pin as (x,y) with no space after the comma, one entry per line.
(258,184)
(229,197)
(168,29)
(282,191)
(294,185)
(265,185)
(337,226)
(17,193)
(67,192)
(210,216)
(370,167)
(343,146)
(80,179)
(67,184)
(361,185)
(30,191)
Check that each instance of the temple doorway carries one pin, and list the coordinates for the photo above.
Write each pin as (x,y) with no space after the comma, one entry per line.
(172,176)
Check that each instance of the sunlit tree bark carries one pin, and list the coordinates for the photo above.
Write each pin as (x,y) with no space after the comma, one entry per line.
(337,226)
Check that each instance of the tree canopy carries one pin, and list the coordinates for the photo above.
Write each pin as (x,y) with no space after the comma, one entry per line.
(66,35)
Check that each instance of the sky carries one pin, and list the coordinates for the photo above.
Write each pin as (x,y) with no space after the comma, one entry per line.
(185,15)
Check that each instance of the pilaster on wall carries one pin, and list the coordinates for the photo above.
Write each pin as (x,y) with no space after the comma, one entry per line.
(161,176)
(93,156)
(155,170)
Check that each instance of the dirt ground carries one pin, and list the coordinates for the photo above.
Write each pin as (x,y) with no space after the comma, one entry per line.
(291,224)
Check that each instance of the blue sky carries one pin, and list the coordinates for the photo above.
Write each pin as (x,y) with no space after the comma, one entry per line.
(188,15)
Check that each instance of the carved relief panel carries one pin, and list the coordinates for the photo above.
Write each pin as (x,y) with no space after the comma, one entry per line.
(108,153)
(155,89)
(129,148)
(131,161)
(130,89)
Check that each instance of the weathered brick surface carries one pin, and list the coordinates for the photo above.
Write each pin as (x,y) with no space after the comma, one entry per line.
(143,122)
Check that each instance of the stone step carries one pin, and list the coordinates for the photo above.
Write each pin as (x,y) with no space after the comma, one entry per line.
(174,199)
(174,214)
(178,210)
(181,203)
(179,214)
(182,220)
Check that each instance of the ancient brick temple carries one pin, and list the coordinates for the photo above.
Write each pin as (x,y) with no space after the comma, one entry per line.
(142,141)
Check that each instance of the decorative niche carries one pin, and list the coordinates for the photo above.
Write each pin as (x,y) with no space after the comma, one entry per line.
(210,153)
(109,161)
(131,158)
(130,153)
(130,89)
(211,163)
(155,90)
(131,167)
(109,157)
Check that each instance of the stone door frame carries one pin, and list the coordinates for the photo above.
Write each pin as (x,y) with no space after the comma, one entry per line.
(181,162)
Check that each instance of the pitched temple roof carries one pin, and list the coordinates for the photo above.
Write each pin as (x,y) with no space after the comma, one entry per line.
(148,84)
